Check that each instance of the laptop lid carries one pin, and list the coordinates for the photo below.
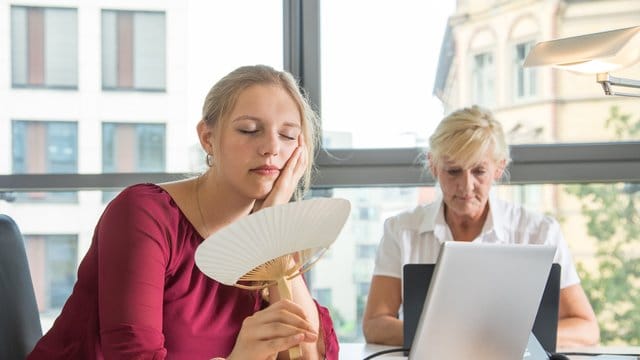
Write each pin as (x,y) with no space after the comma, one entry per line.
(416,280)
(482,301)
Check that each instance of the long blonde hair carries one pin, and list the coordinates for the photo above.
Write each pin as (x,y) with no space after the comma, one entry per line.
(223,96)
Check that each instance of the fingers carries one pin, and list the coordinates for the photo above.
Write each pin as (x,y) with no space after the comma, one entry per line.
(287,312)
(290,175)
(279,327)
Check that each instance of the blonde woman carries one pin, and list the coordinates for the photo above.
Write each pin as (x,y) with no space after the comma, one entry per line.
(467,154)
(139,294)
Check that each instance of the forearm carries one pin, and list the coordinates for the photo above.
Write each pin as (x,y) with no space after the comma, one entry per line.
(576,331)
(383,329)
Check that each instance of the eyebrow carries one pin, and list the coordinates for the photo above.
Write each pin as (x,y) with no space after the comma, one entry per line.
(257,119)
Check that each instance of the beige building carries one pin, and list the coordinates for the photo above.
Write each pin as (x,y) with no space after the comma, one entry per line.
(486,43)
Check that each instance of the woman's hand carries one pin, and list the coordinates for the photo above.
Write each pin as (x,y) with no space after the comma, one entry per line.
(277,328)
(286,183)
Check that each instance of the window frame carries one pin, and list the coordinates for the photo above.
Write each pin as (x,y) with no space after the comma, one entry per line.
(133,87)
(44,85)
(529,75)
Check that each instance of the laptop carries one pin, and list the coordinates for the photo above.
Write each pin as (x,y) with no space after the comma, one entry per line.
(482,301)
(416,280)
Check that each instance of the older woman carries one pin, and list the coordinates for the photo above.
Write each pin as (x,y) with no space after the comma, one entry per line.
(467,153)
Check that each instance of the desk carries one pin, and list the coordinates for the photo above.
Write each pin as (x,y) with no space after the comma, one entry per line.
(357,351)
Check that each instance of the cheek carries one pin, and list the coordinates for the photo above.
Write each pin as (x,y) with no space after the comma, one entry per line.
(288,149)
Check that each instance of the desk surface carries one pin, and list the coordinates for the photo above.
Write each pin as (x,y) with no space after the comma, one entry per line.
(358,351)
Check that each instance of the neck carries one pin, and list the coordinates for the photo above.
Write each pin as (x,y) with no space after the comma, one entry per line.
(219,206)
(465,227)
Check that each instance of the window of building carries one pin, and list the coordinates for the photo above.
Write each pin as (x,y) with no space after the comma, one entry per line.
(44,47)
(133,50)
(128,147)
(53,263)
(524,78)
(482,79)
(366,251)
(45,147)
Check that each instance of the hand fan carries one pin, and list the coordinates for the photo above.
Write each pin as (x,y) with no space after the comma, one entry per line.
(273,245)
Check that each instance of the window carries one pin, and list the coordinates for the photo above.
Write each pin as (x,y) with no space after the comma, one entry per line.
(133,50)
(44,47)
(130,147)
(482,78)
(366,251)
(45,147)
(524,78)
(53,263)
(379,72)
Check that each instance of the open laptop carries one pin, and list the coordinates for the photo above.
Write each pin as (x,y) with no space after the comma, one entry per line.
(416,280)
(482,301)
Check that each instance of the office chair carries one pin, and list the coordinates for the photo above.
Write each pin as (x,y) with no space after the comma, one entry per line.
(19,319)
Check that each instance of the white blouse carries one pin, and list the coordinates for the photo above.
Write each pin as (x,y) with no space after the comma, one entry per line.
(415,236)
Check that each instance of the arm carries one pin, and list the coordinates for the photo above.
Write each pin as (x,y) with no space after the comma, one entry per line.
(577,325)
(132,260)
(313,346)
(380,323)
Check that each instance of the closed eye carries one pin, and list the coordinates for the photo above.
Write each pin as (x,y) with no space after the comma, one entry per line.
(248,132)
(288,137)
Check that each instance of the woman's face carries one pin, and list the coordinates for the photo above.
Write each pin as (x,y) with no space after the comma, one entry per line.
(257,139)
(466,190)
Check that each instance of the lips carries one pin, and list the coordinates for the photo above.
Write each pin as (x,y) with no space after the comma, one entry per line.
(266,170)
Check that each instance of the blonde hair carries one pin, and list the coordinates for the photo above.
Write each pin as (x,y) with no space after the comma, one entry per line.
(223,96)
(465,135)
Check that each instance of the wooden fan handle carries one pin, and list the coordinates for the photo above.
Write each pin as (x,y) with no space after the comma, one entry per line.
(295,352)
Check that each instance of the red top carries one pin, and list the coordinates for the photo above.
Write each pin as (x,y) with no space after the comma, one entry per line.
(139,294)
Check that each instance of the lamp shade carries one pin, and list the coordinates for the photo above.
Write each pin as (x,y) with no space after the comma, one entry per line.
(592,53)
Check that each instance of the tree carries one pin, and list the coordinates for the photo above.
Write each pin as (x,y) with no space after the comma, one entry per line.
(613,219)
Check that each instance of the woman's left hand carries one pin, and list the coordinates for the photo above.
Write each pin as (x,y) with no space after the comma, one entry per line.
(286,183)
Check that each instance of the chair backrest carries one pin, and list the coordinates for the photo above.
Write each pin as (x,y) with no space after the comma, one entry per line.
(20,327)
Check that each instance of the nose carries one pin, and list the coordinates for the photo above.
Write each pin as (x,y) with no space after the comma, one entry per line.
(466,181)
(270,145)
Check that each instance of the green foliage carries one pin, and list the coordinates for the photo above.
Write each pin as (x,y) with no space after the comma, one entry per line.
(613,216)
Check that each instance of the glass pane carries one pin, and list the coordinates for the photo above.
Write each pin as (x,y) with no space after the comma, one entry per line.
(42,147)
(61,47)
(19,45)
(149,56)
(378,72)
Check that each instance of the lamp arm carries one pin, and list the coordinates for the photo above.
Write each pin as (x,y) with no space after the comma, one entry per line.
(607,81)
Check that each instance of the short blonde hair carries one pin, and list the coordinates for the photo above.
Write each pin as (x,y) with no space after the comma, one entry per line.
(465,135)
(223,96)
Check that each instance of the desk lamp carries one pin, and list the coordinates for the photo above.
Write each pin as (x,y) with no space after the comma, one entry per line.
(597,53)
(273,245)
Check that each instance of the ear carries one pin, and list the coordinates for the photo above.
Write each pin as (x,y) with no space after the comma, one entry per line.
(432,165)
(499,169)
(205,135)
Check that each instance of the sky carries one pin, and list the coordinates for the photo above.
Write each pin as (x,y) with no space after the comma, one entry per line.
(379,60)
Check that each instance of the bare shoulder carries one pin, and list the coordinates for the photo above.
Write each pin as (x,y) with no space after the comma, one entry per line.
(182,192)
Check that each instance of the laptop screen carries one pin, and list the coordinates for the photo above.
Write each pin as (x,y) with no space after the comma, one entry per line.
(482,301)
(416,280)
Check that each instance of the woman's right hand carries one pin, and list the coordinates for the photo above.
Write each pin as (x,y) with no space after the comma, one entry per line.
(267,332)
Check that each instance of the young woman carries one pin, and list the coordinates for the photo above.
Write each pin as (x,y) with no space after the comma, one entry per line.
(139,294)
(467,153)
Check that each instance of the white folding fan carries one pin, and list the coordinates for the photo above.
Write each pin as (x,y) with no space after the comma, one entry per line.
(274,245)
